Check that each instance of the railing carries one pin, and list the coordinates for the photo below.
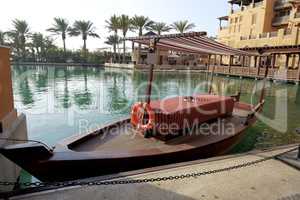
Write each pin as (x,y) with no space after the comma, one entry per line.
(281,20)
(273,34)
(287,31)
(257,4)
(263,35)
(280,3)
(237,10)
(223,27)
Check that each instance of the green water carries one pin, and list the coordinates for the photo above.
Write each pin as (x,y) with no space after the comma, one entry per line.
(62,101)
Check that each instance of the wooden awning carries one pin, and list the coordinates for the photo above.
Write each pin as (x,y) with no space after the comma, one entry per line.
(194,43)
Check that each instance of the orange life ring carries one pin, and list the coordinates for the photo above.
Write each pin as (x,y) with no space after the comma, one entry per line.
(137,115)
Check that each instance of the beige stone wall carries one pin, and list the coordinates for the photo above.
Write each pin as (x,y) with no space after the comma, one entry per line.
(8,170)
(13,126)
(253,27)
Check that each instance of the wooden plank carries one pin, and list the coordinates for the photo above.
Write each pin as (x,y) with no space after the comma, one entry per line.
(6,91)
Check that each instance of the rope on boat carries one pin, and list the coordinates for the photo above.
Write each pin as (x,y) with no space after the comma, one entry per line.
(144,180)
(34,141)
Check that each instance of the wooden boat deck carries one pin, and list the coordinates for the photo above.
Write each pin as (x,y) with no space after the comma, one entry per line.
(124,139)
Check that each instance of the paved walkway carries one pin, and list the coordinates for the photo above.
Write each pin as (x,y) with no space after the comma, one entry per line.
(271,179)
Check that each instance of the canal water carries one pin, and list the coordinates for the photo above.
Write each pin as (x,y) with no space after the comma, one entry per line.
(62,101)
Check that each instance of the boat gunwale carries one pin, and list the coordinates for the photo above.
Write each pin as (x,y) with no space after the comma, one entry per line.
(70,143)
(116,155)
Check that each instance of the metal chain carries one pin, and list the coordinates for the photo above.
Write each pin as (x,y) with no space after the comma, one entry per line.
(135,181)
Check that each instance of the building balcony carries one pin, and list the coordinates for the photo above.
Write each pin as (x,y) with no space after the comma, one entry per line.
(246,7)
(282,37)
(278,21)
(281,4)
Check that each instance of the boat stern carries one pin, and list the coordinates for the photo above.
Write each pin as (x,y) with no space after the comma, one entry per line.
(26,152)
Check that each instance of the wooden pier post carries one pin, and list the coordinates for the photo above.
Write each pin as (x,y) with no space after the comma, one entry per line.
(259,65)
(287,61)
(273,60)
(229,64)
(12,125)
(7,110)
(221,60)
(208,62)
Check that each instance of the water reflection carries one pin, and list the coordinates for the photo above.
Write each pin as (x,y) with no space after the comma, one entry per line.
(56,99)
(25,92)
(297,101)
(83,98)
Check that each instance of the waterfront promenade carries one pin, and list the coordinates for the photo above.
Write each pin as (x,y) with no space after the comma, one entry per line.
(250,182)
(288,75)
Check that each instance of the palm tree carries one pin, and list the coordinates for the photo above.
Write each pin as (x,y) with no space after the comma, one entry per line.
(37,44)
(159,27)
(182,26)
(140,23)
(2,38)
(85,29)
(41,45)
(60,27)
(125,26)
(113,24)
(113,40)
(19,34)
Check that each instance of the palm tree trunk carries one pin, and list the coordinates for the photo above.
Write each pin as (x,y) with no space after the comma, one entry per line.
(115,53)
(65,50)
(124,50)
(84,49)
(140,46)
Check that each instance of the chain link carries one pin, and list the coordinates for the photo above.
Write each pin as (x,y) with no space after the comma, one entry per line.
(135,181)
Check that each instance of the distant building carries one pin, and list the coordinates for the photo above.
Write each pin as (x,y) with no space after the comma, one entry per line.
(267,27)
(168,56)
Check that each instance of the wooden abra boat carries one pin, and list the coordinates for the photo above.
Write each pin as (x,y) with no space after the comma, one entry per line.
(119,147)
(157,133)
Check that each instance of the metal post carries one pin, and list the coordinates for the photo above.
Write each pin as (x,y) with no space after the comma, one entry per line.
(149,88)
(152,49)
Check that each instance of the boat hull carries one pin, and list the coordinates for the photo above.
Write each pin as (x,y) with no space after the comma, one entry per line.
(70,165)
(69,162)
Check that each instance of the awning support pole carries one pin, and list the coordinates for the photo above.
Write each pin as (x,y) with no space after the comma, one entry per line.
(152,49)
(298,67)
(262,96)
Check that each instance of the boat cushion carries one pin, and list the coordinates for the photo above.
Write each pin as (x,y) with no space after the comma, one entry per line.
(188,111)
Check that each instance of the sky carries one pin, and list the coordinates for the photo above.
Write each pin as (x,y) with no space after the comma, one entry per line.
(40,13)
